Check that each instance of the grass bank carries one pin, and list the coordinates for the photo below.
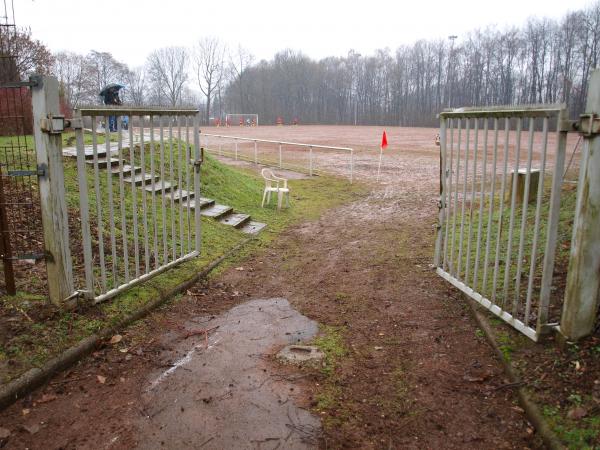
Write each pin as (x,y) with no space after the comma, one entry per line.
(32,330)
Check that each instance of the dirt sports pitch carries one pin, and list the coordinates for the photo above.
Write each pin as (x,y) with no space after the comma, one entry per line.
(411,369)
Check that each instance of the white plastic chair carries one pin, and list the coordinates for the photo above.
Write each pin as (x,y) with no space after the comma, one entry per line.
(273,184)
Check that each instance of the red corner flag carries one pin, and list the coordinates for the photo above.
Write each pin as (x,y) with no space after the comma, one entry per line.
(384,140)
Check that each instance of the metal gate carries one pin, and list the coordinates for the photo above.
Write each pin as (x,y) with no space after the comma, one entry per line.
(137,192)
(501,177)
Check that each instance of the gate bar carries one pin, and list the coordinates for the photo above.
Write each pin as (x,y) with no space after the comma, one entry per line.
(111,203)
(536,229)
(482,189)
(136,245)
(98,193)
(488,234)
(153,195)
(122,199)
(524,207)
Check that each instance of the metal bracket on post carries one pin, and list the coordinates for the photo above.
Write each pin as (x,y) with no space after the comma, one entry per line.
(53,124)
(588,125)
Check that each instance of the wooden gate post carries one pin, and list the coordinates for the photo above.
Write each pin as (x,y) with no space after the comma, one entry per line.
(48,123)
(583,279)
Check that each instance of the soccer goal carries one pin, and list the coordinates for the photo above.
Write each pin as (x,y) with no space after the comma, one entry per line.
(243,120)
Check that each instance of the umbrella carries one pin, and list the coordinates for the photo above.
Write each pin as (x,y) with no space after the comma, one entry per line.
(110,87)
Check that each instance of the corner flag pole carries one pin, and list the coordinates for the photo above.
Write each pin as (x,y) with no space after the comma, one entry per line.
(383,145)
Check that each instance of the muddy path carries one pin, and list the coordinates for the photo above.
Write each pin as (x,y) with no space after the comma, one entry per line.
(416,373)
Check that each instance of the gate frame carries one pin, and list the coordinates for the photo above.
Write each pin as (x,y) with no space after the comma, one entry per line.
(196,163)
(563,126)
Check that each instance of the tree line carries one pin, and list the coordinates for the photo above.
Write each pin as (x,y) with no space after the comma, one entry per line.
(544,61)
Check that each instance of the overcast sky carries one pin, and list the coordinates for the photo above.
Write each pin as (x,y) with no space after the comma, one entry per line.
(130,29)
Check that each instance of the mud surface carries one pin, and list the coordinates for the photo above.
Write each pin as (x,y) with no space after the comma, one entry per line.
(415,371)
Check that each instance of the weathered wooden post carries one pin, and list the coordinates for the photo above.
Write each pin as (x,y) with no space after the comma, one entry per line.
(48,124)
(583,279)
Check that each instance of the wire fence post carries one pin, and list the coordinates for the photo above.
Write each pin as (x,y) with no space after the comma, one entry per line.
(583,278)
(310,161)
(47,128)
(5,246)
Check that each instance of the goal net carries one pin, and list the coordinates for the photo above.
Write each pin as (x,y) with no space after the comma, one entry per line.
(244,120)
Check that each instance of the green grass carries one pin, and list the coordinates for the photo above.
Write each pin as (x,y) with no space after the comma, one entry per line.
(242,189)
(582,434)
(330,396)
(331,342)
(498,226)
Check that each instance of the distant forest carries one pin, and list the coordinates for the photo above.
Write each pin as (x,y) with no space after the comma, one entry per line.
(544,61)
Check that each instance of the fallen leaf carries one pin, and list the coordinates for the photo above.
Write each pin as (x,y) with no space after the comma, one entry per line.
(471,379)
(101,379)
(4,433)
(31,429)
(577,365)
(123,350)
(378,348)
(518,409)
(25,411)
(381,334)
(239,268)
(116,339)
(47,398)
(577,413)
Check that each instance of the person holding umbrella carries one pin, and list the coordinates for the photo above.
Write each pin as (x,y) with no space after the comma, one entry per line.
(110,96)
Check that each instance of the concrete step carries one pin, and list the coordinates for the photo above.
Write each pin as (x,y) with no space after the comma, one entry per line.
(236,220)
(217,211)
(253,227)
(127,169)
(160,187)
(89,151)
(139,181)
(103,162)
(179,195)
(204,203)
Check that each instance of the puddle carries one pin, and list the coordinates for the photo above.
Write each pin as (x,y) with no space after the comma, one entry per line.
(224,394)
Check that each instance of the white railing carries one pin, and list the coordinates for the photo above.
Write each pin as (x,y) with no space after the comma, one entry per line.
(235,153)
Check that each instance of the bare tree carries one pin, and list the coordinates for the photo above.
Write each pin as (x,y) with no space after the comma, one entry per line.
(167,71)
(239,61)
(102,69)
(208,57)
(136,87)
(70,69)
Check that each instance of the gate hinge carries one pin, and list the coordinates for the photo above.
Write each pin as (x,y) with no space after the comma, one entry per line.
(588,124)
(40,171)
(80,293)
(53,124)
(76,123)
(198,162)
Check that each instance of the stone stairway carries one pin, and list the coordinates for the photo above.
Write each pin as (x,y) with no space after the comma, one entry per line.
(208,207)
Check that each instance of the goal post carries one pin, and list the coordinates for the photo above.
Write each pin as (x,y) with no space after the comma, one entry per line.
(233,120)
